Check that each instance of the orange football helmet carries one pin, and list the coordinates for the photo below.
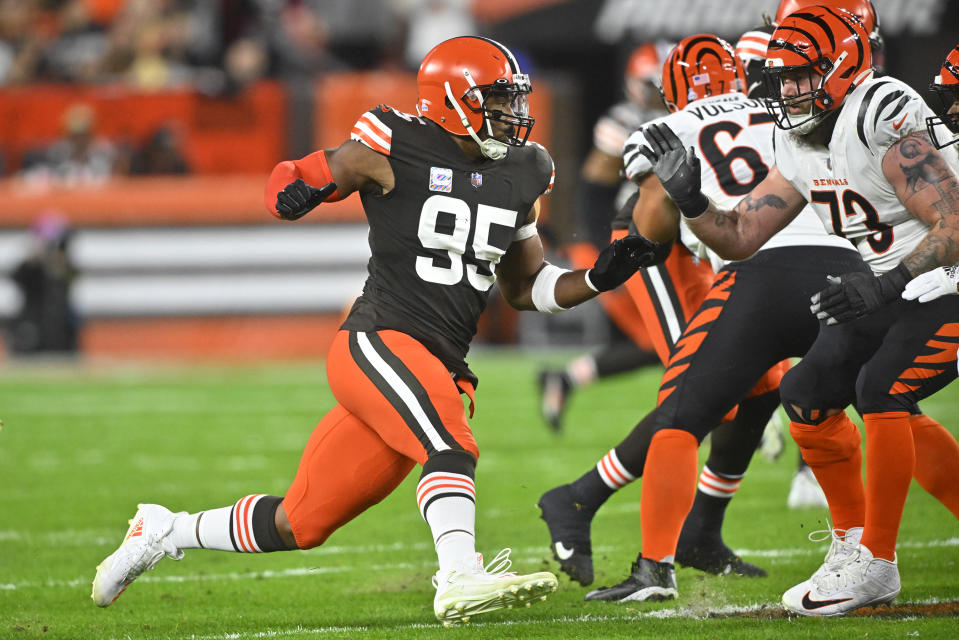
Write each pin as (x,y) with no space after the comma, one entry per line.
(642,68)
(862,9)
(454,81)
(826,47)
(946,86)
(699,66)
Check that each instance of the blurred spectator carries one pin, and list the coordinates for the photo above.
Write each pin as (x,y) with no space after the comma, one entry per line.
(46,321)
(246,60)
(76,53)
(22,41)
(79,157)
(161,155)
(301,44)
(150,45)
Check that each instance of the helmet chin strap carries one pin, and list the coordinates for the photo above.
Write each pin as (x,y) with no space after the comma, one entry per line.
(491,147)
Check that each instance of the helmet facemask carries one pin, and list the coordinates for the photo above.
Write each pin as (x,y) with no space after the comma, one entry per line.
(948,94)
(515,93)
(816,97)
(822,55)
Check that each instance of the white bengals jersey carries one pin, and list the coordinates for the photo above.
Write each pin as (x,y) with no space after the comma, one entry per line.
(733,138)
(845,184)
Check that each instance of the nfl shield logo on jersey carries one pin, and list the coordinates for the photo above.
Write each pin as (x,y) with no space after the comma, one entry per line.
(476,179)
(441,179)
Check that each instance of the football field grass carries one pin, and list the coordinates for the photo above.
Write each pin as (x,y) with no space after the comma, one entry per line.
(82,444)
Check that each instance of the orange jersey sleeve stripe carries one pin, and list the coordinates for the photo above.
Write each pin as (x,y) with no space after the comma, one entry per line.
(373,133)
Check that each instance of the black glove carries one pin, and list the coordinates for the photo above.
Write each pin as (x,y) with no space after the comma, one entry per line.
(677,169)
(298,198)
(620,260)
(854,295)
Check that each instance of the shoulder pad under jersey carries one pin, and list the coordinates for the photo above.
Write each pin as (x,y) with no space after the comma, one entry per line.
(375,127)
(544,166)
(885,111)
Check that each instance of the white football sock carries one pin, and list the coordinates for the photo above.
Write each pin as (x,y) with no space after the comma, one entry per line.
(446,502)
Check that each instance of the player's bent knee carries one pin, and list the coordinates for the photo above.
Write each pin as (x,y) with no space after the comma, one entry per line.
(801,403)
(832,440)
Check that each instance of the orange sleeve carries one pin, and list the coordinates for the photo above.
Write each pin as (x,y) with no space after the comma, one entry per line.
(314,170)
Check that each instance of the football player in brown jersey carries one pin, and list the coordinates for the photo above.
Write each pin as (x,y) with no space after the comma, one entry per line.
(450,194)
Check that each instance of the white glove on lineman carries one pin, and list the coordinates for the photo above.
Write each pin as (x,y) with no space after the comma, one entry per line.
(932,284)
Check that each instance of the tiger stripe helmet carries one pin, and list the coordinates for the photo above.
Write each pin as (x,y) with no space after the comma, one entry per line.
(862,9)
(699,66)
(822,50)
(946,86)
(454,80)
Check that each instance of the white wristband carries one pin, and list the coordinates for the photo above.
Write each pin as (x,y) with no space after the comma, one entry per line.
(526,231)
(589,283)
(544,289)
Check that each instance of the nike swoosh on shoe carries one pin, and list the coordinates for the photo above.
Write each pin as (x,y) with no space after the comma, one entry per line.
(818,604)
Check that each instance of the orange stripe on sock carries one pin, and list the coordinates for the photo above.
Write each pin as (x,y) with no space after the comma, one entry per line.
(246,524)
(237,526)
(612,472)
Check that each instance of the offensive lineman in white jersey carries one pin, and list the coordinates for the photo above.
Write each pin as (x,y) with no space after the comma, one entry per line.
(944,132)
(855,147)
(760,302)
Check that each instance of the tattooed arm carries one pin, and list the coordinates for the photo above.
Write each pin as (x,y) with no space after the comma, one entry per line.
(929,189)
(737,234)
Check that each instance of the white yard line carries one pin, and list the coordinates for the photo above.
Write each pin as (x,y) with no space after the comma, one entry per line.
(525,556)
(682,612)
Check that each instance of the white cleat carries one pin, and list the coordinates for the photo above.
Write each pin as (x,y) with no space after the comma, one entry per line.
(844,543)
(471,589)
(805,492)
(857,580)
(146,542)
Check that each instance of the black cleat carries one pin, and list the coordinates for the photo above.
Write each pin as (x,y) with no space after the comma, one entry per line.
(554,392)
(650,581)
(568,522)
(715,558)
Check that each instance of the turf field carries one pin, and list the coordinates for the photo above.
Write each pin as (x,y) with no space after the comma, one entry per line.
(81,445)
